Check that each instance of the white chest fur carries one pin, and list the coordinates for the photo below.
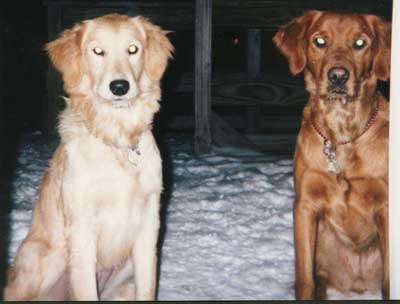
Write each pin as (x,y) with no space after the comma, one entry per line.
(109,193)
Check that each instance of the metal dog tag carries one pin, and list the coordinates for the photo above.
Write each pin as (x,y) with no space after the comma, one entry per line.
(133,156)
(333,165)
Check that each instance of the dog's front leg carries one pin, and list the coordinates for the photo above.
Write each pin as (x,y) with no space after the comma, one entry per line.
(82,264)
(305,230)
(145,251)
(81,248)
(381,219)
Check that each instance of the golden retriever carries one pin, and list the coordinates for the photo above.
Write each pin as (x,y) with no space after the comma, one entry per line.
(341,157)
(95,225)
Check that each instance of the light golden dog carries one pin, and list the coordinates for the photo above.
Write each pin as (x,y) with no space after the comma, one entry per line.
(95,225)
(341,158)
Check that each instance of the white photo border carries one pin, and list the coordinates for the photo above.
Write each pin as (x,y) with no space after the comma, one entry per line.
(394,157)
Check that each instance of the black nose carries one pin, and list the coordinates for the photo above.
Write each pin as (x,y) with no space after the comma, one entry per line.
(338,76)
(119,87)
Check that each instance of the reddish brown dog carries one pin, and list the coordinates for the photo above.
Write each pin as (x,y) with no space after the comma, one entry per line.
(341,157)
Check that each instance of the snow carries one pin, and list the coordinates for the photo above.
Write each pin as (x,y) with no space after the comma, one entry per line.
(228,221)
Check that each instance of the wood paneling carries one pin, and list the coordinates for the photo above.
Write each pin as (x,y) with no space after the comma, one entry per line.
(175,15)
(237,89)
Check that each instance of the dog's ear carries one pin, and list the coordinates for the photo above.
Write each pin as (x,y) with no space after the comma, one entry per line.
(380,46)
(290,40)
(66,55)
(158,48)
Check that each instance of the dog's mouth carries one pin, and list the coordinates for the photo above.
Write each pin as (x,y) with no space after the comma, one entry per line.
(337,94)
(341,97)
(338,90)
(120,103)
(124,102)
(344,99)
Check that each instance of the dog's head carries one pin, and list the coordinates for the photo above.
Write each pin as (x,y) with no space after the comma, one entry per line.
(339,52)
(111,57)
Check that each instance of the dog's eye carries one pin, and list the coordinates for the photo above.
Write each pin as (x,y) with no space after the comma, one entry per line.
(132,49)
(359,44)
(98,51)
(320,42)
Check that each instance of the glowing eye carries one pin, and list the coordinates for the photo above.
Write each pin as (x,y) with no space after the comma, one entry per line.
(359,44)
(132,49)
(320,42)
(98,51)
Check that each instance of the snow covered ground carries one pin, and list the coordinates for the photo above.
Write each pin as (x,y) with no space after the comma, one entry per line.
(228,223)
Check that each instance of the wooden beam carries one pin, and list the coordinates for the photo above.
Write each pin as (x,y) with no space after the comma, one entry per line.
(225,136)
(253,72)
(202,91)
(254,53)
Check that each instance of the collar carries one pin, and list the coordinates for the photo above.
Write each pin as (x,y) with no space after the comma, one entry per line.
(133,154)
(330,150)
(372,119)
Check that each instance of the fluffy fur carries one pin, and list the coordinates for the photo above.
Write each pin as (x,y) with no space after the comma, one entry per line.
(95,224)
